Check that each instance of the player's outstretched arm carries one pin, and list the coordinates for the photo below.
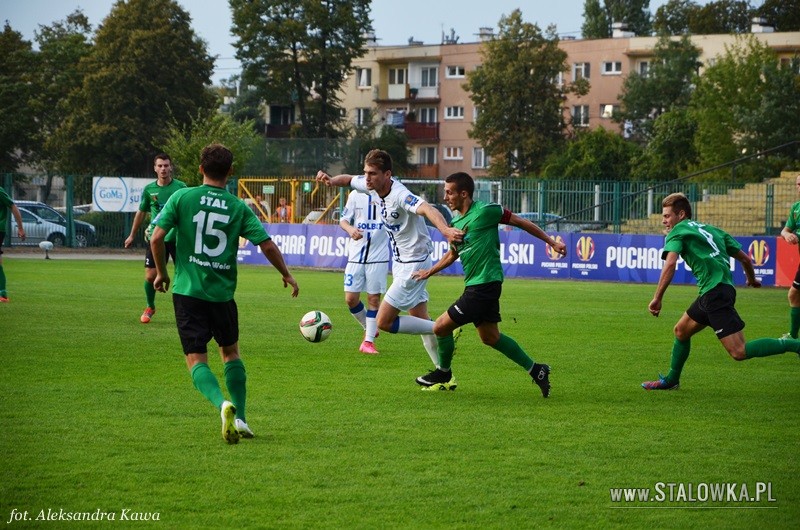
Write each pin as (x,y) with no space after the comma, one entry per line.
(536,231)
(339,181)
(747,265)
(448,259)
(667,273)
(274,256)
(161,283)
(453,235)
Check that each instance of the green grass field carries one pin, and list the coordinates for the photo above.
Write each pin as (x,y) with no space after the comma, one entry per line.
(99,412)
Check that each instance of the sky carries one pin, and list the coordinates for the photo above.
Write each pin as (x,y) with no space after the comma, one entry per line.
(394,21)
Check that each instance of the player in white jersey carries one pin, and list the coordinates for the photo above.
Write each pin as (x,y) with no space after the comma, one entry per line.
(402,213)
(367,263)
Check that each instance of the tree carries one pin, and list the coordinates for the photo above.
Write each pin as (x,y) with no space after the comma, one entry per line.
(389,139)
(722,16)
(666,86)
(673,17)
(520,120)
(297,52)
(744,102)
(592,155)
(18,126)
(596,24)
(62,45)
(783,15)
(597,20)
(184,142)
(671,151)
(147,67)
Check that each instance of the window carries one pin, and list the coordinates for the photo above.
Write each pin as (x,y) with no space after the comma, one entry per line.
(580,116)
(455,71)
(453,153)
(428,115)
(612,68)
(479,158)
(454,113)
(397,76)
(608,110)
(364,77)
(427,155)
(644,68)
(558,80)
(580,71)
(475,112)
(429,76)
(363,116)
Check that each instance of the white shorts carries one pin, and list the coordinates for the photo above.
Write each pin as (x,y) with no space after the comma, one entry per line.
(406,292)
(367,278)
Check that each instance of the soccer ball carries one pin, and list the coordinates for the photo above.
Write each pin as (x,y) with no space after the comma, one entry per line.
(315,326)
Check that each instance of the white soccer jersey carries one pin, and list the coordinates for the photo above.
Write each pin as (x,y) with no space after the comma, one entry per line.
(411,241)
(363,212)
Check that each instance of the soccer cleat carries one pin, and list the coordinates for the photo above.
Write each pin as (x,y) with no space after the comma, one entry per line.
(661,384)
(368,348)
(243,429)
(147,315)
(228,414)
(3,299)
(437,380)
(541,378)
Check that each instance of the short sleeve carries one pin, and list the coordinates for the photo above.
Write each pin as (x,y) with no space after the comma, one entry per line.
(359,183)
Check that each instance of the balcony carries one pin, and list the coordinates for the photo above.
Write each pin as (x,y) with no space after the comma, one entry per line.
(278,131)
(427,132)
(424,171)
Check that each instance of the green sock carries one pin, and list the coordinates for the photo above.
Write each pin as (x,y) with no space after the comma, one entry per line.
(235,380)
(207,384)
(680,352)
(509,347)
(794,321)
(767,347)
(150,293)
(445,347)
(2,282)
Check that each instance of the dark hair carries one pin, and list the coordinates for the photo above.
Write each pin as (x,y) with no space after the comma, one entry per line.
(162,156)
(380,159)
(216,160)
(678,202)
(463,182)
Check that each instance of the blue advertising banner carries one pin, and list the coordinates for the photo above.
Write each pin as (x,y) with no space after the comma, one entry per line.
(605,257)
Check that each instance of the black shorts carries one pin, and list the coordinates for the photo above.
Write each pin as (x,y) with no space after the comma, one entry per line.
(199,321)
(795,283)
(2,238)
(478,304)
(150,262)
(716,309)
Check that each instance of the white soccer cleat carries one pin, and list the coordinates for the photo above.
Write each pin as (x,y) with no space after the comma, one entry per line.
(228,414)
(243,428)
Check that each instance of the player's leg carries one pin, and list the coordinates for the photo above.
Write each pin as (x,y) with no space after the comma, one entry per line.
(353,285)
(225,323)
(406,294)
(194,330)
(794,307)
(356,307)
(3,293)
(684,329)
(371,329)
(149,290)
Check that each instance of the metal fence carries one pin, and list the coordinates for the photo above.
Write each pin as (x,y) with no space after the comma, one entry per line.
(616,207)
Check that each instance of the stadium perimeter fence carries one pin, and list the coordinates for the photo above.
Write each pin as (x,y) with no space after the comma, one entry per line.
(556,205)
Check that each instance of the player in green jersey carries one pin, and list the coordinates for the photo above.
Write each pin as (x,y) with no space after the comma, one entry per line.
(209,222)
(483,279)
(154,197)
(707,251)
(7,205)
(789,233)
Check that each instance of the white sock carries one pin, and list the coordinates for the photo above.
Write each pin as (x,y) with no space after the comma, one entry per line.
(415,326)
(360,314)
(430,346)
(371,325)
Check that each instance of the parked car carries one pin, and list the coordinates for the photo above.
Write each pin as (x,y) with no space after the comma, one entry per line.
(85,233)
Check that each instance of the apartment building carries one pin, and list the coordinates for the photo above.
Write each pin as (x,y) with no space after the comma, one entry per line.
(419,89)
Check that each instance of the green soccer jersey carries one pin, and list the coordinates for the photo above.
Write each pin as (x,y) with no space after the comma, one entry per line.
(209,222)
(480,250)
(706,250)
(793,222)
(5,207)
(154,197)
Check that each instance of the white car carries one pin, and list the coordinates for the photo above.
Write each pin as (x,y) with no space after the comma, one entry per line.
(37,230)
